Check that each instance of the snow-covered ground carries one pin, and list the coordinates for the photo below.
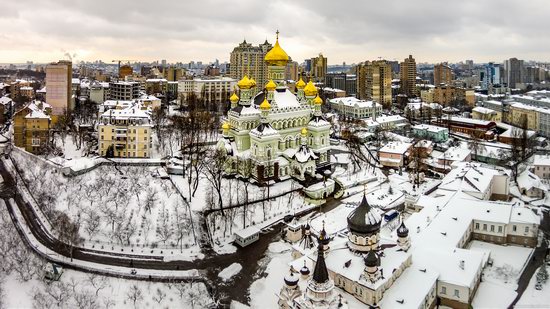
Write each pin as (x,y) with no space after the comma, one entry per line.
(81,290)
(533,298)
(124,209)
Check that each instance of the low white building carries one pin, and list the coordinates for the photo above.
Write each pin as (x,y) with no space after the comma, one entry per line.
(541,166)
(212,90)
(355,108)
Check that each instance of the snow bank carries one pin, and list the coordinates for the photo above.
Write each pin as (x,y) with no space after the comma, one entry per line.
(278,247)
(230,271)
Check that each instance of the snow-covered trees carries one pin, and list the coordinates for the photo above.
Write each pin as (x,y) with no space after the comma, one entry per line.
(542,277)
(134,295)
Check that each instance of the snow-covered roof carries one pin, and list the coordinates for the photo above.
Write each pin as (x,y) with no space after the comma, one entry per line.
(410,290)
(354,102)
(37,110)
(471,121)
(541,160)
(389,118)
(468,177)
(527,180)
(429,128)
(5,100)
(247,232)
(285,99)
(395,147)
(455,154)
(483,110)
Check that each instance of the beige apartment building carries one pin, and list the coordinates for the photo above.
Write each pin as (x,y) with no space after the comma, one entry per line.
(443,74)
(59,87)
(246,59)
(125,133)
(408,77)
(374,82)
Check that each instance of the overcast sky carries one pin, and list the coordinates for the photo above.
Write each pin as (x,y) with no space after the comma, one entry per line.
(351,31)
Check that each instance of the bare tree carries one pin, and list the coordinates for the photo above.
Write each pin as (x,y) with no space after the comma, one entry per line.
(214,168)
(181,224)
(67,232)
(85,299)
(135,295)
(475,144)
(93,222)
(97,282)
(164,229)
(59,293)
(2,292)
(159,296)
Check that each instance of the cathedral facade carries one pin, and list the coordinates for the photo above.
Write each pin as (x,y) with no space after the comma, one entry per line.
(272,133)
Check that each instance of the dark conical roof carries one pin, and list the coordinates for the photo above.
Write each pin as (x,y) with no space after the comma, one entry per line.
(402,230)
(320,274)
(364,219)
(371,260)
(323,237)
(304,271)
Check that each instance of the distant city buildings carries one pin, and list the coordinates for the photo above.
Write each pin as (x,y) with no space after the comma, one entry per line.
(514,72)
(124,91)
(318,68)
(443,74)
(211,90)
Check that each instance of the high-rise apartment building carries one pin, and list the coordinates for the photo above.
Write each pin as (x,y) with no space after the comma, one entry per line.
(443,74)
(514,72)
(246,59)
(59,87)
(374,82)
(125,70)
(490,76)
(408,77)
(319,68)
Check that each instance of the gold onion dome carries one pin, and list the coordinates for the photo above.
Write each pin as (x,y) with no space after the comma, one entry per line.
(300,84)
(234,98)
(304,131)
(245,83)
(265,105)
(226,126)
(270,86)
(310,89)
(253,82)
(276,56)
(318,100)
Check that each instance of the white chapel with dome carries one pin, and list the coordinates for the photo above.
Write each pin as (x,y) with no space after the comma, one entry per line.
(272,133)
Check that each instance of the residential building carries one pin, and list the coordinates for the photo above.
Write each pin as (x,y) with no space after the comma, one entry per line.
(59,87)
(392,122)
(374,81)
(484,113)
(431,132)
(355,108)
(490,76)
(99,92)
(514,72)
(174,74)
(31,127)
(125,70)
(524,116)
(248,60)
(473,127)
(530,185)
(125,132)
(124,91)
(318,68)
(6,108)
(408,77)
(394,154)
(541,166)
(443,74)
(211,90)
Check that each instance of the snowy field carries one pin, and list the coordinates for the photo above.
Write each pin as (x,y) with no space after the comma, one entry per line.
(81,290)
(124,209)
(508,262)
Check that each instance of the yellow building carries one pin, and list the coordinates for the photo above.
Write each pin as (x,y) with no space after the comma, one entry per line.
(125,133)
(319,68)
(522,115)
(408,77)
(483,113)
(443,74)
(374,82)
(427,95)
(31,127)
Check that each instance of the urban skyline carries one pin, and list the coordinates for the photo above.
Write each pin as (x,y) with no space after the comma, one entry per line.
(346,32)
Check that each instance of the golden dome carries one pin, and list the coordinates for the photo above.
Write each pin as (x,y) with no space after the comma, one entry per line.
(304,131)
(245,83)
(276,56)
(270,86)
(253,81)
(234,98)
(265,105)
(300,84)
(310,89)
(226,126)
(318,100)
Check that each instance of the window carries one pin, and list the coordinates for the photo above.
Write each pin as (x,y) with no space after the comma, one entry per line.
(477,226)
(457,293)
(514,228)
(484,227)
(526,229)
(500,229)
(492,228)
(443,290)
